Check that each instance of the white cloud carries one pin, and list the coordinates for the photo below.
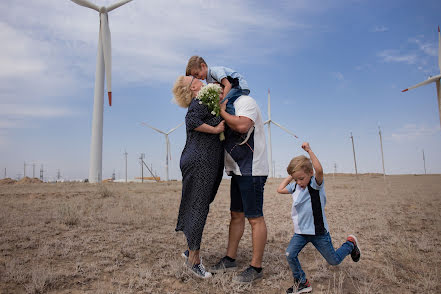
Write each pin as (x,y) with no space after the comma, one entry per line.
(428,48)
(338,75)
(380,29)
(396,56)
(411,132)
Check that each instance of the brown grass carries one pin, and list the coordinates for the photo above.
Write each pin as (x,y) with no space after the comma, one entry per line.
(119,238)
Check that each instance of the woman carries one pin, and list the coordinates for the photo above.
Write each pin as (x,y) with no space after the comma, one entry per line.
(202,163)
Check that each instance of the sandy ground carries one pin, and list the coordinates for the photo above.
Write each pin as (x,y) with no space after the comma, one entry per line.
(119,238)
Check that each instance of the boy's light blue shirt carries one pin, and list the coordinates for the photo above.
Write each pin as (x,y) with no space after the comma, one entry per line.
(217,73)
(302,215)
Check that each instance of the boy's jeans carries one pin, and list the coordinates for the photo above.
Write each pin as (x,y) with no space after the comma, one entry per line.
(323,244)
(232,95)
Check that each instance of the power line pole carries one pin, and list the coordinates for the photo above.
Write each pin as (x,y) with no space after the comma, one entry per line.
(125,154)
(424,161)
(24,170)
(5,172)
(142,167)
(33,170)
(382,155)
(353,150)
(335,168)
(41,173)
(58,174)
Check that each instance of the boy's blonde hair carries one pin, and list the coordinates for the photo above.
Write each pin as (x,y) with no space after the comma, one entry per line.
(182,93)
(194,63)
(300,163)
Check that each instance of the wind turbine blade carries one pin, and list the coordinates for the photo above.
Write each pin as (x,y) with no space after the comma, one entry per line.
(438,92)
(267,122)
(116,5)
(172,130)
(428,81)
(285,129)
(107,50)
(87,4)
(143,123)
(439,50)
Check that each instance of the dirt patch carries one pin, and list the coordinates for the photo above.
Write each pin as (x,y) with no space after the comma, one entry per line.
(27,180)
(119,238)
(7,181)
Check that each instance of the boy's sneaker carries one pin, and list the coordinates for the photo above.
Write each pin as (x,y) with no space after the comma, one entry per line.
(356,252)
(224,265)
(249,275)
(198,270)
(185,254)
(300,288)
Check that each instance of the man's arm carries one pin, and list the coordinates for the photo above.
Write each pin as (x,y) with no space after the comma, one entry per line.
(282,187)
(240,124)
(315,163)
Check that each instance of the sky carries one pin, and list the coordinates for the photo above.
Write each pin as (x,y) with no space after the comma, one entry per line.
(333,68)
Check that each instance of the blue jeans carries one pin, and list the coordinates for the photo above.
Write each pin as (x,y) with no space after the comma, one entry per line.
(323,244)
(232,95)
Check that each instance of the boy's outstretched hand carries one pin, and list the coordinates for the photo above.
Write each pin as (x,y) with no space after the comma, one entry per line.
(306,146)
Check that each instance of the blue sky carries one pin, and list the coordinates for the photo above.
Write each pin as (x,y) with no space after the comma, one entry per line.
(333,67)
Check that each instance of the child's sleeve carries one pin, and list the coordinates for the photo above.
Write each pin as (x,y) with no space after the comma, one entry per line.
(290,188)
(218,73)
(315,185)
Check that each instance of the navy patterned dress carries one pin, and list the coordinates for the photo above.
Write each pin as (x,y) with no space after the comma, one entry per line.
(202,164)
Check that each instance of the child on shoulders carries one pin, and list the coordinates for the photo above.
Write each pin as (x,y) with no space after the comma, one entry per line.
(308,215)
(234,83)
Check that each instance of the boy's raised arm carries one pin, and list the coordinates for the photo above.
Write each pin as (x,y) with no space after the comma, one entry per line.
(315,163)
(282,187)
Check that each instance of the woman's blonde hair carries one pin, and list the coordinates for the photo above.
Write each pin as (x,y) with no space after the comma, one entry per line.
(300,163)
(182,93)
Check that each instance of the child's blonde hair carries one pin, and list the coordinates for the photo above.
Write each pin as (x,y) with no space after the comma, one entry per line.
(182,93)
(300,163)
(194,63)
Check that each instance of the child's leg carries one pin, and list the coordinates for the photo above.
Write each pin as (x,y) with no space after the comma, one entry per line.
(232,95)
(295,246)
(323,243)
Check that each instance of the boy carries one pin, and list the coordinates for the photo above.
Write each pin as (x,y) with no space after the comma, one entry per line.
(309,218)
(234,84)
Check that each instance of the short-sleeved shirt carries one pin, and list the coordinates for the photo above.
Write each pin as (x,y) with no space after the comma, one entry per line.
(249,159)
(217,73)
(308,211)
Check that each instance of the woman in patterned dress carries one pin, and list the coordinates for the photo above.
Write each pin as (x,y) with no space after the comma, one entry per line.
(202,164)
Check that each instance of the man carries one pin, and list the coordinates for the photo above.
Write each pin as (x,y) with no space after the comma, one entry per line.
(246,161)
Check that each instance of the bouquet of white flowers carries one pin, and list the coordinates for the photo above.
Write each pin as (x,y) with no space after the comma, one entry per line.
(209,95)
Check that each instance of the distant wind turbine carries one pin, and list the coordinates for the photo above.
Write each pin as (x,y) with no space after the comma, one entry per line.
(269,122)
(103,65)
(167,143)
(435,79)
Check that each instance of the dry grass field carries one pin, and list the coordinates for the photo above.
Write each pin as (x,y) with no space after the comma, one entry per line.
(119,238)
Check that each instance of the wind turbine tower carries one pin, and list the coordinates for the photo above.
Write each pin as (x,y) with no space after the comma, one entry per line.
(167,143)
(435,79)
(103,65)
(269,122)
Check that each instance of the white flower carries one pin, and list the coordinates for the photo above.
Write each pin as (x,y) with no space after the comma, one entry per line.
(213,113)
(200,102)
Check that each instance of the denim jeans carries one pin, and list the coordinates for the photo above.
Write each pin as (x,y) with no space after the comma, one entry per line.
(323,244)
(232,95)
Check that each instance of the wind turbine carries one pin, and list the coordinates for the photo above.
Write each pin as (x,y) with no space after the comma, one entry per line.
(269,122)
(167,143)
(435,79)
(103,65)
